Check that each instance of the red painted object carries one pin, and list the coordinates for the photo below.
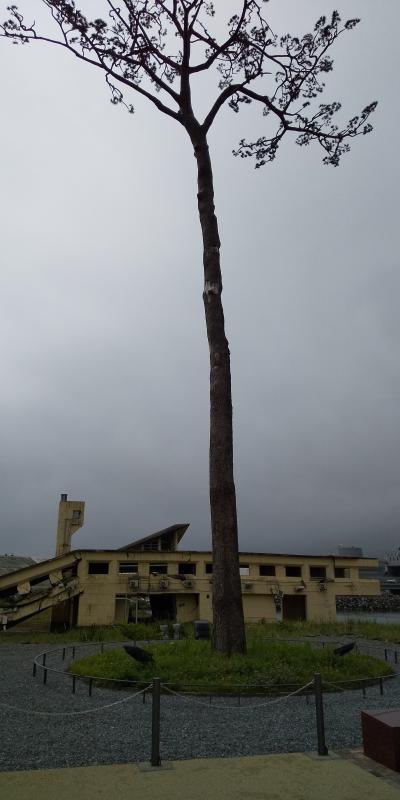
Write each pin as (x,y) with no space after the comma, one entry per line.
(381,736)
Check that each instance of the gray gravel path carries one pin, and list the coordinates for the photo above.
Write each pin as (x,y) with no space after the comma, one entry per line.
(190,727)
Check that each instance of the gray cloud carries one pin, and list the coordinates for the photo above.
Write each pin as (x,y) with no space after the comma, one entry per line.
(103,344)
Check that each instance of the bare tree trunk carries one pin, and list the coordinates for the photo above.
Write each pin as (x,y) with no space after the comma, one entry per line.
(229,632)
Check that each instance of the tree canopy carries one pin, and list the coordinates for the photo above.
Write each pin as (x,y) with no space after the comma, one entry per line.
(155,48)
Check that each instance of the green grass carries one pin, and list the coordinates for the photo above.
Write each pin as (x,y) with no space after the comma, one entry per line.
(190,662)
(360,629)
(364,630)
(92,633)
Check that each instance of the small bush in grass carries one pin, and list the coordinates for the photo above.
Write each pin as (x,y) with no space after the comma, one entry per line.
(93,633)
(140,631)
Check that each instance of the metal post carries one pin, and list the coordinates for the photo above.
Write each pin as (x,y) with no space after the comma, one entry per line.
(155,723)
(63,654)
(73,652)
(34,669)
(319,713)
(381,685)
(386,656)
(45,675)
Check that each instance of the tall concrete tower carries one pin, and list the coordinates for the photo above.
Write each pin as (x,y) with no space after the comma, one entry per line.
(71,514)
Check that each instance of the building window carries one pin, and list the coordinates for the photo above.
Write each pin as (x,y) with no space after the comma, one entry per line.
(371,573)
(293,572)
(76,514)
(98,568)
(267,569)
(244,570)
(187,568)
(342,572)
(209,569)
(317,573)
(128,568)
(152,545)
(158,569)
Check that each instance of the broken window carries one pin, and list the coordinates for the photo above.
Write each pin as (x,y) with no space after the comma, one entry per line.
(98,568)
(342,572)
(267,569)
(128,568)
(293,572)
(317,573)
(158,569)
(188,568)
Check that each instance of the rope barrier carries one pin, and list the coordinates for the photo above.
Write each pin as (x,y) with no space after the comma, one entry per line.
(73,713)
(336,686)
(191,698)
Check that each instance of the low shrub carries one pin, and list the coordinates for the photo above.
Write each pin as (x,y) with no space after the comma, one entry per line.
(140,631)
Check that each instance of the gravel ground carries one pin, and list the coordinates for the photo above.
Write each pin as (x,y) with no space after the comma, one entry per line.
(190,727)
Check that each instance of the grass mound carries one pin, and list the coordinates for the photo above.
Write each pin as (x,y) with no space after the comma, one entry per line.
(273,663)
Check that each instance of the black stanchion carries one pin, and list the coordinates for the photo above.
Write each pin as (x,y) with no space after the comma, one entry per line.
(73,652)
(34,670)
(155,724)
(319,714)
(386,654)
(63,654)
(44,670)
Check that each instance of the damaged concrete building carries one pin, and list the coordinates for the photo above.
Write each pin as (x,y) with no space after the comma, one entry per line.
(152,578)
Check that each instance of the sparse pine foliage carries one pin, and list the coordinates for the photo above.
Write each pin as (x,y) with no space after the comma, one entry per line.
(156,49)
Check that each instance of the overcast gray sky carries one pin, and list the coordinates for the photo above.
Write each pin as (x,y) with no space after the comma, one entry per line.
(102,337)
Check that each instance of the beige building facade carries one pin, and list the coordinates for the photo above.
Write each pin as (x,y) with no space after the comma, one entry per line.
(151,578)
